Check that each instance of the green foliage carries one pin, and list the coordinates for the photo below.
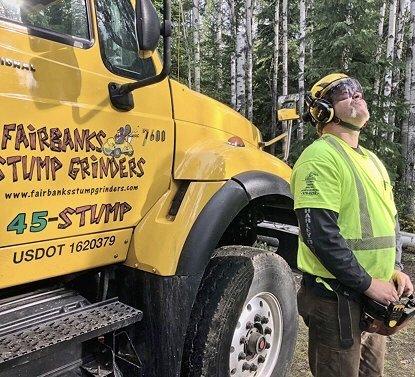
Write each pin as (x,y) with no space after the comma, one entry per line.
(263,70)
(345,40)
(343,35)
(407,223)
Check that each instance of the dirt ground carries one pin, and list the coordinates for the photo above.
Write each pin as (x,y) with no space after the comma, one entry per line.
(400,357)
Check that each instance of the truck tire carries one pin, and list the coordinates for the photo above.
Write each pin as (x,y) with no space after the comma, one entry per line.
(244,321)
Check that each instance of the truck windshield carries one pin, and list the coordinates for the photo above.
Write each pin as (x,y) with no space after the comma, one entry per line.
(60,16)
(119,47)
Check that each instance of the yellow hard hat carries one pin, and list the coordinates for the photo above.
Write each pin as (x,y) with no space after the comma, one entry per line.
(323,85)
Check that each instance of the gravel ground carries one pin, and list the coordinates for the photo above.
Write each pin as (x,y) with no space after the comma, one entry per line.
(400,357)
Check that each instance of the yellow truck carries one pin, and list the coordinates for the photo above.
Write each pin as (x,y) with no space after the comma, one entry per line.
(131,206)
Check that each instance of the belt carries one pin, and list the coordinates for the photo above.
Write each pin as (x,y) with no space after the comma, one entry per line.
(343,296)
(318,288)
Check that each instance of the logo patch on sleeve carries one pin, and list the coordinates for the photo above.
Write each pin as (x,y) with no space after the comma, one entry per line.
(310,188)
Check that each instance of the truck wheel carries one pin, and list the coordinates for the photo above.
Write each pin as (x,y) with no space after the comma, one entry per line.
(244,321)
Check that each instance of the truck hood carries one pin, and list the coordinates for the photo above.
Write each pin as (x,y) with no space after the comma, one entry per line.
(192,107)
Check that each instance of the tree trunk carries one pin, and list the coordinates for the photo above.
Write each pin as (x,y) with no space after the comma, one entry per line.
(185,17)
(241,63)
(346,58)
(402,18)
(233,54)
(309,11)
(403,6)
(407,93)
(275,59)
(219,43)
(301,64)
(179,39)
(284,47)
(390,57)
(196,43)
(284,62)
(249,18)
(410,155)
(382,12)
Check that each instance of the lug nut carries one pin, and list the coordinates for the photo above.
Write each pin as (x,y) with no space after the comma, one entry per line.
(242,356)
(242,340)
(267,346)
(253,368)
(267,330)
(233,371)
(261,359)
(264,320)
(249,325)
(246,366)
(257,318)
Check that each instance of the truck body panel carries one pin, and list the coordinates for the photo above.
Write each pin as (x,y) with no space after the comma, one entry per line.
(194,107)
(203,153)
(158,240)
(22,264)
(203,128)
(70,164)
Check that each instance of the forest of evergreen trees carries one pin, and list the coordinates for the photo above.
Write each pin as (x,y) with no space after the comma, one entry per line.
(246,53)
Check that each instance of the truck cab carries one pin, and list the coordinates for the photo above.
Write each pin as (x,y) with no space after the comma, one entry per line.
(125,196)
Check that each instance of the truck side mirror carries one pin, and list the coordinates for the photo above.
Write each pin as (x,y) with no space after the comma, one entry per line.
(148,33)
(147,27)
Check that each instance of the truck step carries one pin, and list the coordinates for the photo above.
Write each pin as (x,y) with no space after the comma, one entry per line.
(34,325)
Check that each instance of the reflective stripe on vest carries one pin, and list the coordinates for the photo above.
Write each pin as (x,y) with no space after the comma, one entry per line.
(368,241)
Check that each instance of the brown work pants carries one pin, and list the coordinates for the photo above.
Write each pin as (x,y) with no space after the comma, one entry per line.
(326,357)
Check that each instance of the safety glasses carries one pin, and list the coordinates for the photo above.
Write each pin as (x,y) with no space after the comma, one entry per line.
(344,89)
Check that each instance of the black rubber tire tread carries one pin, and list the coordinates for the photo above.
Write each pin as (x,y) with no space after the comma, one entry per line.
(223,291)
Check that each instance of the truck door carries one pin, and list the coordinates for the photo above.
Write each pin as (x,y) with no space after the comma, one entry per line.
(76,174)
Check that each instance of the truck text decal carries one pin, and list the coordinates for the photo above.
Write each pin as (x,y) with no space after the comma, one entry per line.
(87,214)
(92,214)
(117,159)
(39,253)
(17,64)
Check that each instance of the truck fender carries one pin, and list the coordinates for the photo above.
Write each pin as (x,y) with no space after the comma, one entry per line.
(219,212)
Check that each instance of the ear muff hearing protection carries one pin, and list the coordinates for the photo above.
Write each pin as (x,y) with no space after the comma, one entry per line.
(320,109)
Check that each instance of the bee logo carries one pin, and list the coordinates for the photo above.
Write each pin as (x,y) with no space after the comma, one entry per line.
(121,143)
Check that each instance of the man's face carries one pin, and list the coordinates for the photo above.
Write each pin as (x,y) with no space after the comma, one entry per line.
(348,102)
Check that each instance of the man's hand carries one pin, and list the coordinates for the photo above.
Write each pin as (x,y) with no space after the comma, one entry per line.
(382,291)
(403,283)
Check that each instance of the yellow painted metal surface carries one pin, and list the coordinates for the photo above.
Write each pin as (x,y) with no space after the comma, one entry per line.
(203,127)
(59,177)
(203,153)
(158,240)
(288,114)
(41,260)
(196,108)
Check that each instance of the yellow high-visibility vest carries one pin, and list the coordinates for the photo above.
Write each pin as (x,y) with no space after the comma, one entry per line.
(332,175)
